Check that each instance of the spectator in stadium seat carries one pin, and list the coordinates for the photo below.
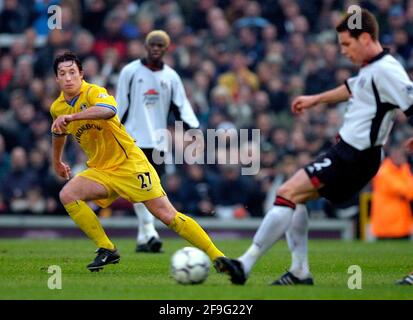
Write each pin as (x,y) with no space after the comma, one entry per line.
(263,122)
(35,202)
(24,116)
(94,15)
(13,18)
(135,50)
(4,158)
(198,15)
(235,10)
(36,93)
(91,71)
(8,120)
(278,95)
(199,94)
(23,74)
(240,110)
(6,70)
(238,76)
(175,27)
(18,181)
(39,164)
(297,51)
(116,167)
(252,17)
(392,194)
(219,32)
(56,40)
(52,186)
(261,102)
(201,185)
(39,126)
(176,194)
(3,205)
(83,44)
(381,86)
(111,36)
(144,25)
(232,190)
(251,46)
(280,141)
(158,11)
(220,99)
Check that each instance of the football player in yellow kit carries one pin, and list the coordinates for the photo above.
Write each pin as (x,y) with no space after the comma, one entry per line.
(116,166)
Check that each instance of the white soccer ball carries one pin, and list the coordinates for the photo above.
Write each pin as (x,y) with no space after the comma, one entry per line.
(190,265)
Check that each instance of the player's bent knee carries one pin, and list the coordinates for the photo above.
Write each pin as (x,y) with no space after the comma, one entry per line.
(66,196)
(286,192)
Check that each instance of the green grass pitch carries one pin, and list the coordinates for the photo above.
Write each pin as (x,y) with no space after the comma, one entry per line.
(24,265)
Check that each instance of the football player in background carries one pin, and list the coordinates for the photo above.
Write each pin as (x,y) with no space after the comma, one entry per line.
(148,90)
(381,86)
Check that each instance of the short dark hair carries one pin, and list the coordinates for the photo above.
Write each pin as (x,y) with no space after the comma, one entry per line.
(368,24)
(67,56)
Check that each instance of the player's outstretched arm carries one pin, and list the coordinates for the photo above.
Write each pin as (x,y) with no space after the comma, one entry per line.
(93,113)
(338,94)
(301,103)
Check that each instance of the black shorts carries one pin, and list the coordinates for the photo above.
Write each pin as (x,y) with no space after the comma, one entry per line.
(160,168)
(343,170)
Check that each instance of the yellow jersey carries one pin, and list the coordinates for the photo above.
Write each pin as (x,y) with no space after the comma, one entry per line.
(105,141)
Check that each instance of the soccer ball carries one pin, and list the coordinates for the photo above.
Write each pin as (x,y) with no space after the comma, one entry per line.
(190,265)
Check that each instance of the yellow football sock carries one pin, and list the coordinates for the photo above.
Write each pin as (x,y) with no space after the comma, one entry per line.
(86,219)
(191,231)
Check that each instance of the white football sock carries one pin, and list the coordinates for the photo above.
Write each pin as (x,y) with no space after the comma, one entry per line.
(146,227)
(272,228)
(297,238)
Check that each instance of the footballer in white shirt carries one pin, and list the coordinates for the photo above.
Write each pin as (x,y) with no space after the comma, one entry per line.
(381,87)
(148,90)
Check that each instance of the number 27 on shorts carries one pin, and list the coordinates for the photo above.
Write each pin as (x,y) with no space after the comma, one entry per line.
(145,180)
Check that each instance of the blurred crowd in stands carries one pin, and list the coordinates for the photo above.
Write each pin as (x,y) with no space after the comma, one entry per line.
(242,63)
